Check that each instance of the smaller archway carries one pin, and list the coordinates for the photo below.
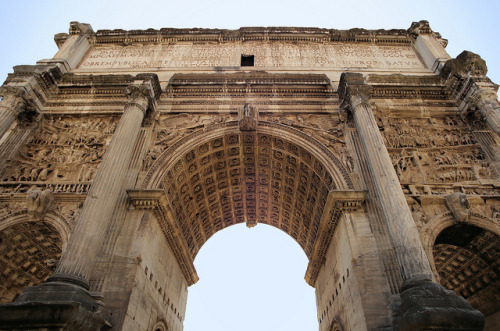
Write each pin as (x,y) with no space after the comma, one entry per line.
(29,252)
(467,260)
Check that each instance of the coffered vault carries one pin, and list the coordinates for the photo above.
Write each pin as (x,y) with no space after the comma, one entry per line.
(374,150)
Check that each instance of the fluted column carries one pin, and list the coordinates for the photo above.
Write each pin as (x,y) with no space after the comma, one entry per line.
(90,228)
(424,304)
(11,106)
(404,235)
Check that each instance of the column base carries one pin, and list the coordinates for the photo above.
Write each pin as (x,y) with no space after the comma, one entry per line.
(49,316)
(55,305)
(426,305)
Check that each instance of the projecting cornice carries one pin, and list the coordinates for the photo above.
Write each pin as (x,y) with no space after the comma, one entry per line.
(295,34)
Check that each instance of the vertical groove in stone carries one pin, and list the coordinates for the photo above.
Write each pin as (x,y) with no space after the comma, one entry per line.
(106,192)
(11,145)
(97,281)
(486,141)
(379,229)
(403,232)
(7,117)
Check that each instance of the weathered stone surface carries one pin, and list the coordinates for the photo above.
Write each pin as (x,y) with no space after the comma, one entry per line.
(151,141)
(426,305)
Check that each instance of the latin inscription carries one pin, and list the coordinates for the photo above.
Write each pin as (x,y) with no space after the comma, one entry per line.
(266,55)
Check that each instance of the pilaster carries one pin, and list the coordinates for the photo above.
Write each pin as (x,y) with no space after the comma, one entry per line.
(443,309)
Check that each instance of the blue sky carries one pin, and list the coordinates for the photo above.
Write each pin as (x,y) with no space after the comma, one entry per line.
(256,267)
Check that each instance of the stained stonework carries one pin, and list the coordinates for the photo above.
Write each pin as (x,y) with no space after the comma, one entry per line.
(374,150)
(29,252)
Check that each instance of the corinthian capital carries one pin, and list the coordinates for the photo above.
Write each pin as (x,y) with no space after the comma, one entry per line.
(13,99)
(353,91)
(139,96)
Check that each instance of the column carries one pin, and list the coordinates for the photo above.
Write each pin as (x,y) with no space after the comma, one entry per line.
(11,106)
(88,234)
(486,102)
(408,249)
(424,304)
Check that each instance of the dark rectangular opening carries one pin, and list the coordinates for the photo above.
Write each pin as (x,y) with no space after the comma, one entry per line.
(247,60)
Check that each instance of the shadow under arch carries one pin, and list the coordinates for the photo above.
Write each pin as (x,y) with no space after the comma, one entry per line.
(431,230)
(158,169)
(58,222)
(29,250)
(464,257)
(219,175)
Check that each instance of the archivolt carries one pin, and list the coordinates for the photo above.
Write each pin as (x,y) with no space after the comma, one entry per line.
(173,153)
(430,232)
(58,222)
(220,176)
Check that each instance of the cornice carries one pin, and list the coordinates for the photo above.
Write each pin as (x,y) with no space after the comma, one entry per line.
(398,86)
(157,202)
(263,34)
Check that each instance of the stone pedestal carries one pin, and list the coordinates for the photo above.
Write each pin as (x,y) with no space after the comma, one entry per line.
(426,305)
(429,45)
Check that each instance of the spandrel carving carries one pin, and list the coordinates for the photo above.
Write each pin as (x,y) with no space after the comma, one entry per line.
(171,128)
(64,154)
(435,152)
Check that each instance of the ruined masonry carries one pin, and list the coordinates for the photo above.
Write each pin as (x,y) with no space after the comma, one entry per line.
(124,153)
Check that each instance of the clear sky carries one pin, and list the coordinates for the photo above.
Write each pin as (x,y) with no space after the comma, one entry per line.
(250,279)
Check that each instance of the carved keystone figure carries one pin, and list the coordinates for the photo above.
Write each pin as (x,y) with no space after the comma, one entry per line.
(38,202)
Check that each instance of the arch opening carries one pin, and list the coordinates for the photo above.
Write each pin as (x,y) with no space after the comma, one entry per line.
(251,279)
(29,252)
(227,177)
(467,260)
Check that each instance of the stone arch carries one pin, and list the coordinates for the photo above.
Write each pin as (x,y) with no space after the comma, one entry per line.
(54,219)
(158,170)
(29,251)
(335,326)
(219,176)
(465,258)
(160,326)
(440,222)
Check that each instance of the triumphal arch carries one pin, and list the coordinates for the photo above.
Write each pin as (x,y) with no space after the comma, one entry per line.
(125,152)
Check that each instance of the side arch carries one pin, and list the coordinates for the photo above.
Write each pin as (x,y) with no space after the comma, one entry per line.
(29,250)
(431,230)
(55,220)
(465,258)
(160,326)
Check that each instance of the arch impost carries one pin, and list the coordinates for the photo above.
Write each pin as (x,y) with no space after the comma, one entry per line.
(156,201)
(338,202)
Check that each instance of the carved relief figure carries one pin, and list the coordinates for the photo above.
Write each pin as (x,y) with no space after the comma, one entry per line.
(38,202)
(64,150)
